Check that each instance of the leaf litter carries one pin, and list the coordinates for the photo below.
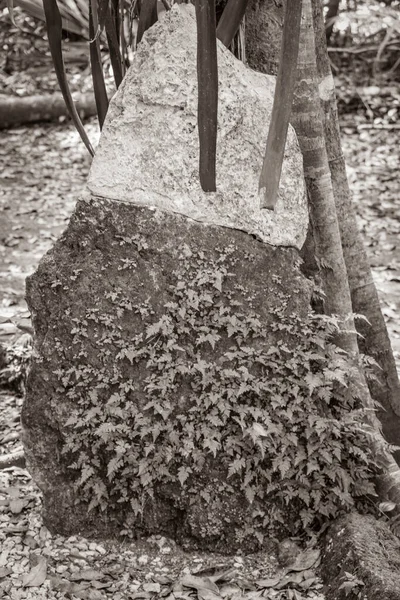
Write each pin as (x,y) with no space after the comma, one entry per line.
(36,564)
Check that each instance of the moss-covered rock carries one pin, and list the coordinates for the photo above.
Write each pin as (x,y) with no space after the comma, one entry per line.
(138,312)
(361,560)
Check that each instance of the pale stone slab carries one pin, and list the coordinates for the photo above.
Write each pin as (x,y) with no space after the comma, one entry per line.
(149,150)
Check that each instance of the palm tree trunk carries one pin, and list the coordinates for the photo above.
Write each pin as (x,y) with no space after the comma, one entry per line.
(375,339)
(308,123)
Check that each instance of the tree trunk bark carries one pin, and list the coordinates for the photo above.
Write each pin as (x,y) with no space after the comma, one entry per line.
(17,111)
(375,340)
(307,121)
(264,21)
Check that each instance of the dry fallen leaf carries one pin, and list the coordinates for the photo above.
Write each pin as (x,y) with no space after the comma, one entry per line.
(87,575)
(199,583)
(17,505)
(13,492)
(179,596)
(203,594)
(211,572)
(4,571)
(229,590)
(90,594)
(307,559)
(36,575)
(59,584)
(100,585)
(307,583)
(163,579)
(268,583)
(30,541)
(4,558)
(152,587)
(292,578)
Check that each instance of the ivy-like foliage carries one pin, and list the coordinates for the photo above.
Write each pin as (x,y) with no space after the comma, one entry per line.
(282,421)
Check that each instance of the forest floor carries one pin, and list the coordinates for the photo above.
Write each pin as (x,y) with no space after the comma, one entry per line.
(44,168)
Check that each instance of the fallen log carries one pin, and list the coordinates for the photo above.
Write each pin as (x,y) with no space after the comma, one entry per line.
(18,111)
(14,459)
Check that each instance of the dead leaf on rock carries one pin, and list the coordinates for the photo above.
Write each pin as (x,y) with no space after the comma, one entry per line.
(87,575)
(36,575)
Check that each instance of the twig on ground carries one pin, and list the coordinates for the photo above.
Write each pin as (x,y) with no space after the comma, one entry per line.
(14,459)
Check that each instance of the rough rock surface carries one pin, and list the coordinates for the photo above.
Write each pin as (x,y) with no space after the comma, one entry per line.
(101,302)
(149,149)
(367,550)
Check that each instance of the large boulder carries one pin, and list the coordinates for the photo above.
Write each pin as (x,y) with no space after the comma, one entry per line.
(160,315)
(361,559)
(148,327)
(149,150)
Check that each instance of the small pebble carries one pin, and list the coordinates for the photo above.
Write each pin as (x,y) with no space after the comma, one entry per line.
(61,568)
(92,546)
(74,568)
(82,545)
(143,560)
(71,539)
